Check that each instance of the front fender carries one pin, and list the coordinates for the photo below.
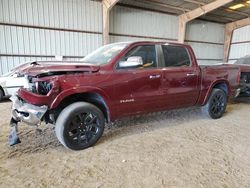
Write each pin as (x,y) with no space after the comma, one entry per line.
(78,90)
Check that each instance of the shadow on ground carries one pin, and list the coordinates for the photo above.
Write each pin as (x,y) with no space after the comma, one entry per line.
(34,141)
(242,100)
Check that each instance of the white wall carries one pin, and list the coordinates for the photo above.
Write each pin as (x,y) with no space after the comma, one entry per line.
(207,40)
(47,27)
(130,24)
(41,29)
(240,44)
(130,21)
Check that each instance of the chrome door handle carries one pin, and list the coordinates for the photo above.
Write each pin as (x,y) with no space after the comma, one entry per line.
(190,74)
(154,76)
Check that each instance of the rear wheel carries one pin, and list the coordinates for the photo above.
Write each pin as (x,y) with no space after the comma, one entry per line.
(80,125)
(1,94)
(216,104)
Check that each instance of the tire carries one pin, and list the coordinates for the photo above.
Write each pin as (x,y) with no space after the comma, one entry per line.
(216,104)
(79,125)
(1,94)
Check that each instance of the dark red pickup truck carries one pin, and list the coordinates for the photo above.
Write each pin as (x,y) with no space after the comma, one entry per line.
(115,81)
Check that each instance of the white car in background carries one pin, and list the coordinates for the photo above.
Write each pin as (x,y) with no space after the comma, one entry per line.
(10,84)
(12,81)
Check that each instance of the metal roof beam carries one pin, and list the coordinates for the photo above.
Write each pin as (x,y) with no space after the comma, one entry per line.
(154,2)
(222,8)
(106,7)
(183,10)
(229,29)
(191,15)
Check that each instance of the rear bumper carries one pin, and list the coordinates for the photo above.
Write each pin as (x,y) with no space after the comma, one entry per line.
(27,113)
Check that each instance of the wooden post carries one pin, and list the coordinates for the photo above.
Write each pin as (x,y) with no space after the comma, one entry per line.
(182,29)
(185,18)
(106,7)
(229,29)
(227,40)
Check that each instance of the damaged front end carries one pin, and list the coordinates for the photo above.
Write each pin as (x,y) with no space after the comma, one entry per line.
(31,105)
(27,113)
(46,80)
(24,112)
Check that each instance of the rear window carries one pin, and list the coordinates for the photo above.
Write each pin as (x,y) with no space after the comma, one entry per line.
(175,56)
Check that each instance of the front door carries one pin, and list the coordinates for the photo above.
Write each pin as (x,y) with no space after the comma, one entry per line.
(138,89)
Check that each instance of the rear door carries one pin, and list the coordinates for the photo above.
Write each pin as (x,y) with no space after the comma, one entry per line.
(180,77)
(138,89)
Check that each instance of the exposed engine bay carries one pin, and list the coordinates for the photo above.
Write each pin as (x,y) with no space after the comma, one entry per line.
(40,85)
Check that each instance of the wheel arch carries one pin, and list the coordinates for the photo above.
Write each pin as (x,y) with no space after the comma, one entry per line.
(220,84)
(91,97)
(223,86)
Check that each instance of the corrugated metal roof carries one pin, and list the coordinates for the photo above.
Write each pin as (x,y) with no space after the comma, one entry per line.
(178,7)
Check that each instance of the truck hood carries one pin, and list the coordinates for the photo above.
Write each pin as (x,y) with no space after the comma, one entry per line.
(36,68)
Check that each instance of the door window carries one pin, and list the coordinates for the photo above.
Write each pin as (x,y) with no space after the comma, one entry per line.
(175,56)
(147,54)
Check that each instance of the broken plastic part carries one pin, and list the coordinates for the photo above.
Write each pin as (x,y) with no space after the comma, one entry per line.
(13,138)
(27,113)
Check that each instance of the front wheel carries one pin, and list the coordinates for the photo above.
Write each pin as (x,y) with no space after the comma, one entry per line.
(216,104)
(80,125)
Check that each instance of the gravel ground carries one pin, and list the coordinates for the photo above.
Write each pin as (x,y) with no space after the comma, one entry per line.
(180,148)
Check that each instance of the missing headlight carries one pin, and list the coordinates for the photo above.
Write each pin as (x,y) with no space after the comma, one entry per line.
(42,87)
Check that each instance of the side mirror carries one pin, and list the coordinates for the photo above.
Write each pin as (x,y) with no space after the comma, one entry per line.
(133,61)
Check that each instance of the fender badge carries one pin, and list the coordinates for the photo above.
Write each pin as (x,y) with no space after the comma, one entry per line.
(127,101)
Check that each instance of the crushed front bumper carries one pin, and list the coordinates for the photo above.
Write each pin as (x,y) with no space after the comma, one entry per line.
(27,113)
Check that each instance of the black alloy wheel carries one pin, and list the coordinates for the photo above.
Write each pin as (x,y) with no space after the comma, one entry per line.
(216,104)
(82,129)
(80,125)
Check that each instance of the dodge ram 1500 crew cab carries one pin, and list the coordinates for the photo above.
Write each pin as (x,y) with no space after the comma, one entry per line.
(115,81)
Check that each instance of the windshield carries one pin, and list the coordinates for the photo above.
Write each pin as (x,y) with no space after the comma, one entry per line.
(244,60)
(104,54)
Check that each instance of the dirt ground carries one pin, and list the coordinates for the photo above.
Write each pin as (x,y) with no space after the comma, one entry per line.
(180,148)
